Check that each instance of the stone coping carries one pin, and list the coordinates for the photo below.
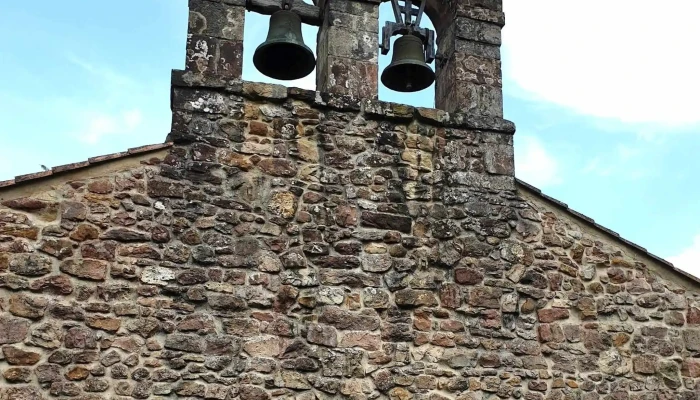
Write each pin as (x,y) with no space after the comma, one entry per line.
(373,109)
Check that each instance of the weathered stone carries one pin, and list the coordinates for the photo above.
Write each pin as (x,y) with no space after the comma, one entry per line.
(346,216)
(104,250)
(125,235)
(693,316)
(386,221)
(26,204)
(248,392)
(59,248)
(188,343)
(94,270)
(322,334)
(21,393)
(30,265)
(263,346)
(104,323)
(46,373)
(77,373)
(346,320)
(691,368)
(225,302)
(552,314)
(140,251)
(668,370)
(613,363)
(48,335)
(468,276)
(84,232)
(110,358)
(692,339)
(450,295)
(193,389)
(278,167)
(409,297)
(16,356)
(348,278)
(74,211)
(28,306)
(17,375)
(158,188)
(645,364)
(64,311)
(80,338)
(364,340)
(485,297)
(338,262)
(374,298)
(56,284)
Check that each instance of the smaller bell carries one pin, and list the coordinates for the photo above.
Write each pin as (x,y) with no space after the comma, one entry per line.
(283,55)
(408,71)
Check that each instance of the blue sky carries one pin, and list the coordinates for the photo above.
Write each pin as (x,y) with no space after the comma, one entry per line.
(604,101)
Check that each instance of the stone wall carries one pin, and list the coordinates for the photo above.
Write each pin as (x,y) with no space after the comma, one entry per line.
(299,245)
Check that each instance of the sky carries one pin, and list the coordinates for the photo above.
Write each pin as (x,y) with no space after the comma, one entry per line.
(603,94)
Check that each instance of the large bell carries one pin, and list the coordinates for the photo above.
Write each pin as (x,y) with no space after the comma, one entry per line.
(284,55)
(408,71)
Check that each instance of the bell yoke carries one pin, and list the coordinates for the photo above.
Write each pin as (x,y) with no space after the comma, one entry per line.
(285,56)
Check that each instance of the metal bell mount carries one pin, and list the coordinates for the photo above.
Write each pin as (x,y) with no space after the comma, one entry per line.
(414,50)
(283,55)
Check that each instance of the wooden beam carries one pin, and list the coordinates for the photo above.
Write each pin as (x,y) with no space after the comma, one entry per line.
(309,14)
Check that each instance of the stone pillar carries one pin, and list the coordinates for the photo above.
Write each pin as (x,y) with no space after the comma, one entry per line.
(215,38)
(469,78)
(348,46)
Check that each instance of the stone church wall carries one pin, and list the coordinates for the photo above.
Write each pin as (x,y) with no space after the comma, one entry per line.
(298,245)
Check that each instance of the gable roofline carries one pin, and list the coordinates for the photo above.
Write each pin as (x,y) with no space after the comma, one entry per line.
(92,161)
(561,206)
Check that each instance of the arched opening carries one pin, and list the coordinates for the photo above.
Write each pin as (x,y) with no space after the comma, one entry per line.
(423,98)
(255,33)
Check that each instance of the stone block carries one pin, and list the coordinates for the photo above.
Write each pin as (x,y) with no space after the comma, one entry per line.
(216,20)
(478,31)
(348,76)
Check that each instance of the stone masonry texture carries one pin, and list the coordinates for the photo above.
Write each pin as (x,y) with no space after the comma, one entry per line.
(306,245)
(298,245)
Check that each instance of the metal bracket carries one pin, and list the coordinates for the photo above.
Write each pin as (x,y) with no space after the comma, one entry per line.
(405,25)
(308,13)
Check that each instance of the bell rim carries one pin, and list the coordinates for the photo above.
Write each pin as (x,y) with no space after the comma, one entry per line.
(384,78)
(307,53)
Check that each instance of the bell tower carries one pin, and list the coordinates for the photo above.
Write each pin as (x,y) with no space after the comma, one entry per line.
(467,54)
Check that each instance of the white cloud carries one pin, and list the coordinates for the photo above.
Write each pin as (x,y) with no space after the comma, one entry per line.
(624,162)
(98,127)
(622,59)
(105,74)
(101,125)
(534,164)
(132,119)
(689,259)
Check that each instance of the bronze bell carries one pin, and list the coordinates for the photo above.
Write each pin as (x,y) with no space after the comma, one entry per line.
(284,55)
(408,71)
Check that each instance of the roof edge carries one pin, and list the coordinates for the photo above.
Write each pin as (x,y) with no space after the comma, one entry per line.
(614,235)
(140,150)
